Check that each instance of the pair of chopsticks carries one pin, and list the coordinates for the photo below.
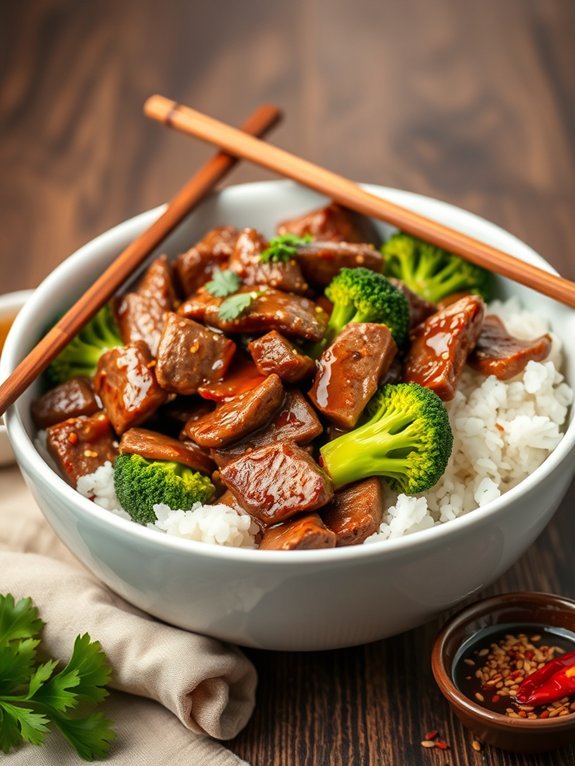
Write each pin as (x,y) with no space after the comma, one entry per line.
(244,143)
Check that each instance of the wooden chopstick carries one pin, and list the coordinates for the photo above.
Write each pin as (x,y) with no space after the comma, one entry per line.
(353,196)
(262,120)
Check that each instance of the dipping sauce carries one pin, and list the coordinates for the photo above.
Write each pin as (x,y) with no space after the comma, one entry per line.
(491,665)
(5,325)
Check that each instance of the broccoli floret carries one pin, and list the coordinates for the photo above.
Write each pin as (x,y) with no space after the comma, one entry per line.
(80,357)
(407,438)
(140,484)
(431,272)
(362,295)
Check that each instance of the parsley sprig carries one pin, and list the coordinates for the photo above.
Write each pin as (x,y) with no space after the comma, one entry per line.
(283,248)
(223,283)
(33,694)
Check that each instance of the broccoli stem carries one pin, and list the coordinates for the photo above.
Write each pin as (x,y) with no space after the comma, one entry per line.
(378,448)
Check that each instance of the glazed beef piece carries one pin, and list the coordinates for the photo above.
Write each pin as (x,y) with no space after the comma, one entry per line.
(126,383)
(419,308)
(245,262)
(70,399)
(183,408)
(293,315)
(242,376)
(81,445)
(440,346)
(190,355)
(500,354)
(349,371)
(196,266)
(155,446)
(355,512)
(141,314)
(295,422)
(272,353)
(302,533)
(333,223)
(320,262)
(277,482)
(239,416)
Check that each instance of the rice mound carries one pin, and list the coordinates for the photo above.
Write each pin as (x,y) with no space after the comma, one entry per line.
(502,431)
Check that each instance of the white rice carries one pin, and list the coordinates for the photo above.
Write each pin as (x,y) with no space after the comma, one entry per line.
(502,431)
(217,524)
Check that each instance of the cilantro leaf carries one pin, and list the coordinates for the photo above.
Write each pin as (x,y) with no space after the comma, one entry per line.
(283,248)
(17,663)
(18,620)
(32,697)
(88,664)
(232,308)
(29,725)
(40,676)
(223,283)
(91,736)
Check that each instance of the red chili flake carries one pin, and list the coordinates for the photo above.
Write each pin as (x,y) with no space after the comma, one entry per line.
(529,654)
(430,734)
(495,698)
(73,437)
(442,745)
(544,714)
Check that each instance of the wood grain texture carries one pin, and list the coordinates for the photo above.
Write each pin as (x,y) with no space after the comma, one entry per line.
(473,103)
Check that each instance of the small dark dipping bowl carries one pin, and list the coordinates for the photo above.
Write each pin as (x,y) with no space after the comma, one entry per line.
(519,735)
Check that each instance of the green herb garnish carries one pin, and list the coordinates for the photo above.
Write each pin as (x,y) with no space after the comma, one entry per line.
(283,248)
(33,694)
(223,283)
(233,307)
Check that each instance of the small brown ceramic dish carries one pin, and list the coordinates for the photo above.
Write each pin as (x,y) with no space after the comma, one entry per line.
(516,734)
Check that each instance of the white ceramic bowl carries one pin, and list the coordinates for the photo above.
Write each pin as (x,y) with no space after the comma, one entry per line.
(272,599)
(10,305)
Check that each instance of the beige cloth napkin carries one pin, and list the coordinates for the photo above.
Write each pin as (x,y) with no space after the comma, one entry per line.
(209,686)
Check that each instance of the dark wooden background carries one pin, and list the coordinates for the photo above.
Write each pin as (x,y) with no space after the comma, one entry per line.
(471,102)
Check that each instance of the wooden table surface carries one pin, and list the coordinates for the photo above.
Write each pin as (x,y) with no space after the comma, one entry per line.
(470,102)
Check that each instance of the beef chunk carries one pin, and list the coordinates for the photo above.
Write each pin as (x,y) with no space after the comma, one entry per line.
(81,445)
(295,421)
(333,223)
(196,266)
(141,314)
(349,371)
(500,354)
(277,482)
(270,309)
(242,376)
(274,353)
(155,446)
(70,399)
(441,345)
(190,355)
(302,533)
(320,262)
(245,262)
(355,512)
(126,383)
(239,416)
(419,308)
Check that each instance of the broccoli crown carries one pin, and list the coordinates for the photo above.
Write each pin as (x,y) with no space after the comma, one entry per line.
(431,272)
(362,295)
(80,357)
(406,438)
(140,484)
